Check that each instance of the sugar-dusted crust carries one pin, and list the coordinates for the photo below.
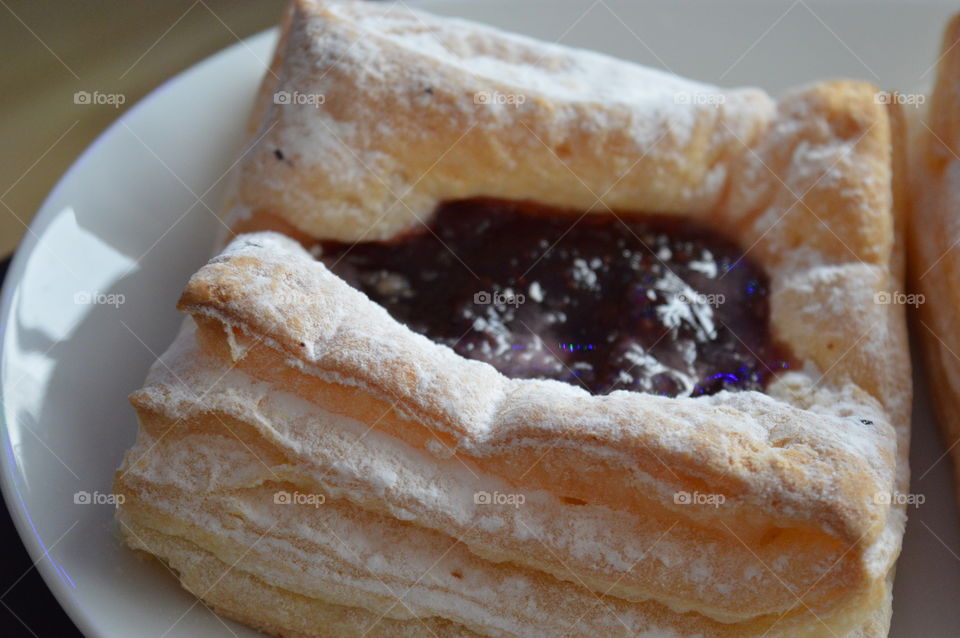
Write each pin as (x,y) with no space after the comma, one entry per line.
(315,388)
(935,239)
(232,590)
(200,484)
(400,127)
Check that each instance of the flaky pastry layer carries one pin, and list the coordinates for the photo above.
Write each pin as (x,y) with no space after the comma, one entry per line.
(201,485)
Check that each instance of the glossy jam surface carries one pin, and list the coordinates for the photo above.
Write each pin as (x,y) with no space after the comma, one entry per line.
(646,304)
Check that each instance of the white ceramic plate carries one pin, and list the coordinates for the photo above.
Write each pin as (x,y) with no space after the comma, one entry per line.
(130,221)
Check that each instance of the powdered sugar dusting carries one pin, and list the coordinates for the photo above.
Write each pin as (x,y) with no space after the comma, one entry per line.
(410,99)
(372,480)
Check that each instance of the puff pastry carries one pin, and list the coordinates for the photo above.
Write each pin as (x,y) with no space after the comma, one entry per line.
(285,380)
(934,234)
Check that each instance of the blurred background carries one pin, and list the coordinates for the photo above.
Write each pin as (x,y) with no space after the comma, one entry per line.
(53,51)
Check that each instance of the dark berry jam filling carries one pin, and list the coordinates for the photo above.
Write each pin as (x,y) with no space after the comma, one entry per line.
(650,304)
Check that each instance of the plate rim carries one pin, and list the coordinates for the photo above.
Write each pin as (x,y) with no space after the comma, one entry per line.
(78,613)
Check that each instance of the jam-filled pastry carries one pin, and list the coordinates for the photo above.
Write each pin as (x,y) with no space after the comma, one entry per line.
(935,240)
(548,344)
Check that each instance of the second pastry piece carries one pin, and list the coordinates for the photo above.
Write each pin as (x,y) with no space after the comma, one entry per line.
(935,240)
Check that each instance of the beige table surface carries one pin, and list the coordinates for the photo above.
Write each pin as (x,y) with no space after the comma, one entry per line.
(52,49)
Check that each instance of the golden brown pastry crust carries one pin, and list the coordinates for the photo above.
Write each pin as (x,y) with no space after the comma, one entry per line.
(934,238)
(401,129)
(809,184)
